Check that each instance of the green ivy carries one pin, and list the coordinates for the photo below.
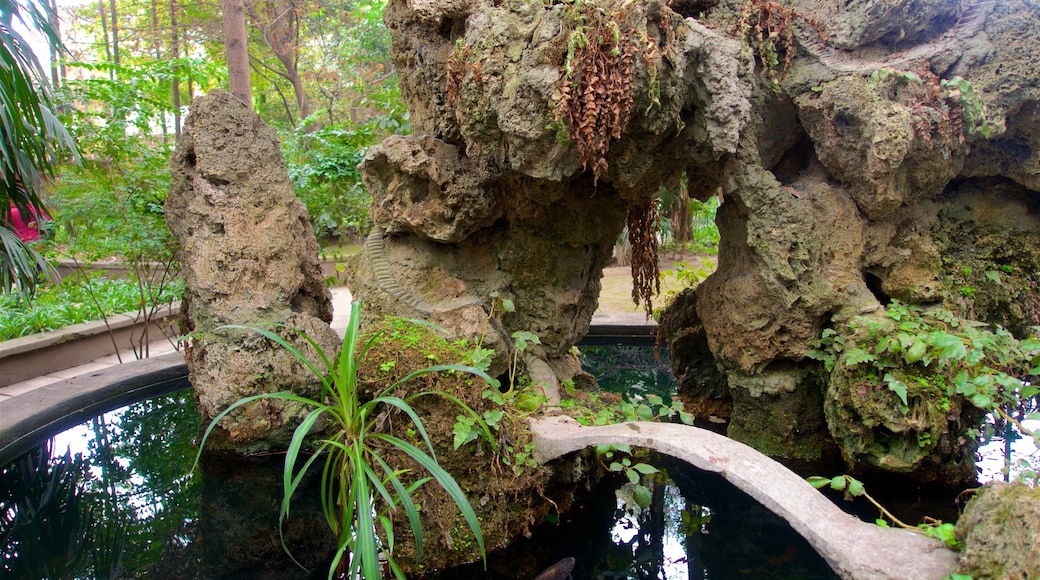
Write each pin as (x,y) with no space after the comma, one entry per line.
(934,347)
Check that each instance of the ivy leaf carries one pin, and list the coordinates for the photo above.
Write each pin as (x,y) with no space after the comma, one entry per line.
(818,482)
(993,276)
(916,351)
(644,468)
(948,347)
(856,487)
(856,356)
(633,476)
(898,387)
(642,495)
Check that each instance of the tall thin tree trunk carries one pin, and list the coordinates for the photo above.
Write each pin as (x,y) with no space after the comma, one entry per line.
(115,33)
(157,49)
(56,75)
(104,33)
(234,21)
(175,47)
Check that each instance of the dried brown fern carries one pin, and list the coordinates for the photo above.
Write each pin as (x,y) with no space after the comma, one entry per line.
(457,69)
(768,27)
(596,87)
(643,224)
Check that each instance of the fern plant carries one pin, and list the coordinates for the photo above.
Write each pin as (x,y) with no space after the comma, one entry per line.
(361,490)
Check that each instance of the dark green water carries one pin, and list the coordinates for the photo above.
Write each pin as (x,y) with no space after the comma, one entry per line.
(122,500)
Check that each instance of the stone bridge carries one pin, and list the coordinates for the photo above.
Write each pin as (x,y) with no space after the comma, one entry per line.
(853,548)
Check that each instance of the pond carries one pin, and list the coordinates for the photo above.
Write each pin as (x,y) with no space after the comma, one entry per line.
(115,493)
(129,502)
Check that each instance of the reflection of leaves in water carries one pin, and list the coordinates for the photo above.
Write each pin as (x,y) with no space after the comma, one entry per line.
(155,437)
(72,515)
(629,369)
(49,525)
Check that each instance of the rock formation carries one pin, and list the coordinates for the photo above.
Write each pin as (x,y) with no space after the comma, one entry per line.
(487,203)
(1000,529)
(865,152)
(894,161)
(249,258)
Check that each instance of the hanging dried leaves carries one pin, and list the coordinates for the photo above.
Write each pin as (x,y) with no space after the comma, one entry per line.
(768,27)
(457,70)
(643,223)
(596,87)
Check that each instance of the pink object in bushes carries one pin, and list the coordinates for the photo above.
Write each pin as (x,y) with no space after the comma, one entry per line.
(26,230)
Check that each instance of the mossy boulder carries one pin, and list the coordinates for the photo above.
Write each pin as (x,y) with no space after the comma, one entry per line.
(875,427)
(1000,529)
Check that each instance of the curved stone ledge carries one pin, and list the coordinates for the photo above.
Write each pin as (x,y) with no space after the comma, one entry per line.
(853,548)
(29,417)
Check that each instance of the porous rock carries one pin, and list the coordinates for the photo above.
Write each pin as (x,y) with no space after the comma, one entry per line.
(249,257)
(1000,529)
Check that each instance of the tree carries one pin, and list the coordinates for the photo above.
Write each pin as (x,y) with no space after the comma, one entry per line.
(31,138)
(279,21)
(234,19)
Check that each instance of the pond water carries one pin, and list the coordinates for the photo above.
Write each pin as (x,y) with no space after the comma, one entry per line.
(117,493)
(137,508)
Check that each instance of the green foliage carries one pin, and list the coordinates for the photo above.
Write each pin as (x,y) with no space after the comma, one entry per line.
(635,494)
(112,205)
(323,164)
(323,168)
(911,346)
(962,92)
(852,487)
(598,411)
(361,491)
(49,525)
(32,140)
(75,300)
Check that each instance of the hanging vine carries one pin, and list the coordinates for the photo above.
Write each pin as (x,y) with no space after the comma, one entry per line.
(596,87)
(643,224)
(767,28)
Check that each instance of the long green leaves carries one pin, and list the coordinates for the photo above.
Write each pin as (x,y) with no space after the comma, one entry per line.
(361,489)
(31,138)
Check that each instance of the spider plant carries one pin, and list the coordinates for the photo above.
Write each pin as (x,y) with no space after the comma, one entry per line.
(361,491)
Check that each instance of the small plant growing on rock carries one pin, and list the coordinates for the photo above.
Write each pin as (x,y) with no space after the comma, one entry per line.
(767,28)
(596,87)
(853,487)
(361,491)
(927,357)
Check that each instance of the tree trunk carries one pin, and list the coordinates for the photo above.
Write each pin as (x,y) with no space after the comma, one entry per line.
(115,33)
(234,19)
(280,26)
(157,49)
(104,33)
(57,71)
(175,48)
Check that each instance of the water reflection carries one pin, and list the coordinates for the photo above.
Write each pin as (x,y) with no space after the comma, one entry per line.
(114,497)
(631,370)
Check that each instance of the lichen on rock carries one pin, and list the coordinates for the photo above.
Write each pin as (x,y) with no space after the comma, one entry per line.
(1000,529)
